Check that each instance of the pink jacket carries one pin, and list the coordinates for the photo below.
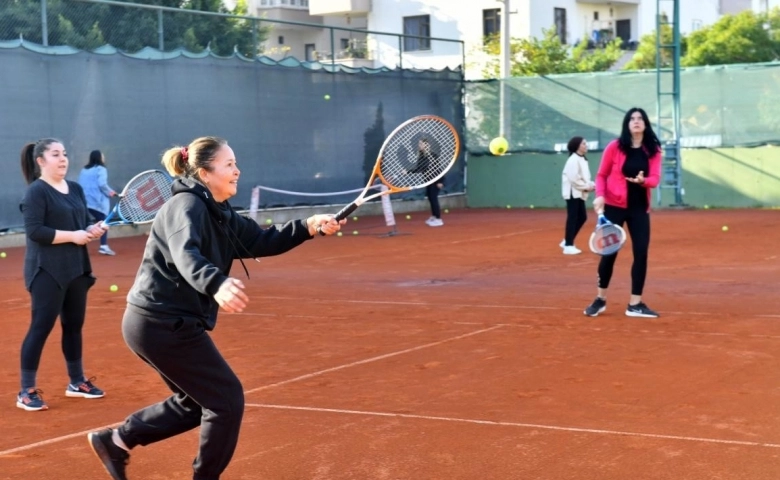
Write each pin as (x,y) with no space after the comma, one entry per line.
(611,183)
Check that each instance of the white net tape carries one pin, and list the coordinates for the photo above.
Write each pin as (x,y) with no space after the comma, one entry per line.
(418,153)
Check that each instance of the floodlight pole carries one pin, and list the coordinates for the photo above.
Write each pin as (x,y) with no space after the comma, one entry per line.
(505,72)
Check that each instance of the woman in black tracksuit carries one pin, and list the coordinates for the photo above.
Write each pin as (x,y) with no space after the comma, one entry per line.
(182,282)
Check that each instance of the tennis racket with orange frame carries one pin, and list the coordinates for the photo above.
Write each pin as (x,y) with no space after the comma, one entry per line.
(416,154)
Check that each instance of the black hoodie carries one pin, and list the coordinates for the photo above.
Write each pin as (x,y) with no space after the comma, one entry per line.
(191,247)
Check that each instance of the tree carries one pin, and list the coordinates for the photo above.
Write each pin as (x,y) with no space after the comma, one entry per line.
(740,38)
(548,56)
(645,56)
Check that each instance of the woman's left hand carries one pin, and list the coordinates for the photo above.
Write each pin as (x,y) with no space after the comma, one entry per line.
(640,179)
(326,224)
(97,229)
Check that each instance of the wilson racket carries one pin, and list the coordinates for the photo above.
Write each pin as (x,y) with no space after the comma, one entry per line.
(416,154)
(608,238)
(141,199)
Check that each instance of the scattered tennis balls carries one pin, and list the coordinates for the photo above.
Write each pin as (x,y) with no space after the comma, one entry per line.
(114,288)
(268,221)
(706,207)
(498,146)
(339,234)
(2,255)
(408,217)
(354,219)
(725,228)
(326,97)
(530,206)
(509,206)
(354,232)
(446,210)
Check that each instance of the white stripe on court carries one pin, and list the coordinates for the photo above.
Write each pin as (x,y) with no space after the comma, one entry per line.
(520,425)
(372,359)
(54,440)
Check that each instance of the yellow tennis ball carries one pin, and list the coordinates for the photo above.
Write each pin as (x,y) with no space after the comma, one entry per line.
(354,232)
(499,146)
(268,221)
(509,206)
(114,288)
(326,97)
(339,234)
(706,207)
(2,255)
(354,219)
(408,217)
(446,210)
(530,206)
(725,228)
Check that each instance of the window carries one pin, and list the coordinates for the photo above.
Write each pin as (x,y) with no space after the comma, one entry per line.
(419,26)
(491,22)
(344,43)
(310,52)
(595,15)
(560,23)
(281,40)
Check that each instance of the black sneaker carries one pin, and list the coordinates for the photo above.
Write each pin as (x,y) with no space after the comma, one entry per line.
(640,310)
(114,458)
(598,306)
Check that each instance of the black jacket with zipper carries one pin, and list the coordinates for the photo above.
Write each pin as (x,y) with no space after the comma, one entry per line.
(191,247)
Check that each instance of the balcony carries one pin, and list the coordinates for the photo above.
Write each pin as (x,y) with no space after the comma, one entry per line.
(340,7)
(356,55)
(287,11)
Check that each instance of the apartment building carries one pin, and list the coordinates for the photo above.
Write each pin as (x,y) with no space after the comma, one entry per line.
(341,37)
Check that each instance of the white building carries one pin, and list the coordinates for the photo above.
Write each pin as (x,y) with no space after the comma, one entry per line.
(467,22)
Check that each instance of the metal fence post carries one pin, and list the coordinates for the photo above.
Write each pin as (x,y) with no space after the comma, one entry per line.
(400,52)
(44,24)
(160,30)
(332,48)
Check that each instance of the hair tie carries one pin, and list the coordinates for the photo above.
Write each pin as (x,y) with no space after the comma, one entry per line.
(185,154)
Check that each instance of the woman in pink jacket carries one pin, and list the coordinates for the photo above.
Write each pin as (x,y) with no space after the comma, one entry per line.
(630,168)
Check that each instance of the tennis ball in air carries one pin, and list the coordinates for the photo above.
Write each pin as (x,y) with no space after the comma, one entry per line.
(725,228)
(499,146)
(339,234)
(268,221)
(113,288)
(2,255)
(408,217)
(326,97)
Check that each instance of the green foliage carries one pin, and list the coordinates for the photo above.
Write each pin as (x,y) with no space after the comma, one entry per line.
(739,38)
(548,56)
(90,25)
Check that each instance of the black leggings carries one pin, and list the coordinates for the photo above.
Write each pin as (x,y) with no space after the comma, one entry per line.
(206,392)
(49,301)
(432,192)
(638,223)
(576,216)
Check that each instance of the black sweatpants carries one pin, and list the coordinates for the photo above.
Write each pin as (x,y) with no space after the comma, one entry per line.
(206,392)
(48,302)
(576,216)
(432,192)
(638,223)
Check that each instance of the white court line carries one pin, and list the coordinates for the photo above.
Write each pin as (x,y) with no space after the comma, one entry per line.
(493,237)
(521,425)
(372,359)
(54,440)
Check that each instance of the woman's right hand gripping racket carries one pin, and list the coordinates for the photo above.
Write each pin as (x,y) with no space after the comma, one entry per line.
(608,238)
(141,199)
(416,154)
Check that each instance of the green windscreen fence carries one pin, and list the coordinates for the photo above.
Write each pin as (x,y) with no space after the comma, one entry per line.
(722,106)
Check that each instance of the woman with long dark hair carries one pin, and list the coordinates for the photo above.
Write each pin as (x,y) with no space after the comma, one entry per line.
(94,180)
(630,168)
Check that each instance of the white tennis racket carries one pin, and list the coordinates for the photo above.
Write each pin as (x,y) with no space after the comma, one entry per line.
(607,238)
(416,154)
(141,199)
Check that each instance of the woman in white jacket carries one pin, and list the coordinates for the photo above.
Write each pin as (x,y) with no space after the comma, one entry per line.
(575,185)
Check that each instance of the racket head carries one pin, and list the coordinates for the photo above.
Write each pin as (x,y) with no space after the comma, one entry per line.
(142,198)
(417,153)
(607,238)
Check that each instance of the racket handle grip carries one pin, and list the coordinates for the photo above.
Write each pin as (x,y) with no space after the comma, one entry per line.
(344,212)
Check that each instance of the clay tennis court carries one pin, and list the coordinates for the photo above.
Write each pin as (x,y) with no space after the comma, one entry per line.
(450,353)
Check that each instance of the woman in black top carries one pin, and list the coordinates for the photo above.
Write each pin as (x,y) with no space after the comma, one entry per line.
(57,271)
(183,279)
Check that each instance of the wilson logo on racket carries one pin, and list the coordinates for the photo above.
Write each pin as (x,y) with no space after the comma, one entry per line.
(149,196)
(608,241)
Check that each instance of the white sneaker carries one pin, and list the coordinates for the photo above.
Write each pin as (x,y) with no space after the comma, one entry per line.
(106,250)
(571,250)
(436,222)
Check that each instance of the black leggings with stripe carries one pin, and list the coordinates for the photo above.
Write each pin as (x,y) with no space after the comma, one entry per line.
(638,226)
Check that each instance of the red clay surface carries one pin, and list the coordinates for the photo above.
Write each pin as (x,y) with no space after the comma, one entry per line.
(450,353)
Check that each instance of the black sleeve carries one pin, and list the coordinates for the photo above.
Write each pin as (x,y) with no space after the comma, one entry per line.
(34,212)
(185,243)
(267,242)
